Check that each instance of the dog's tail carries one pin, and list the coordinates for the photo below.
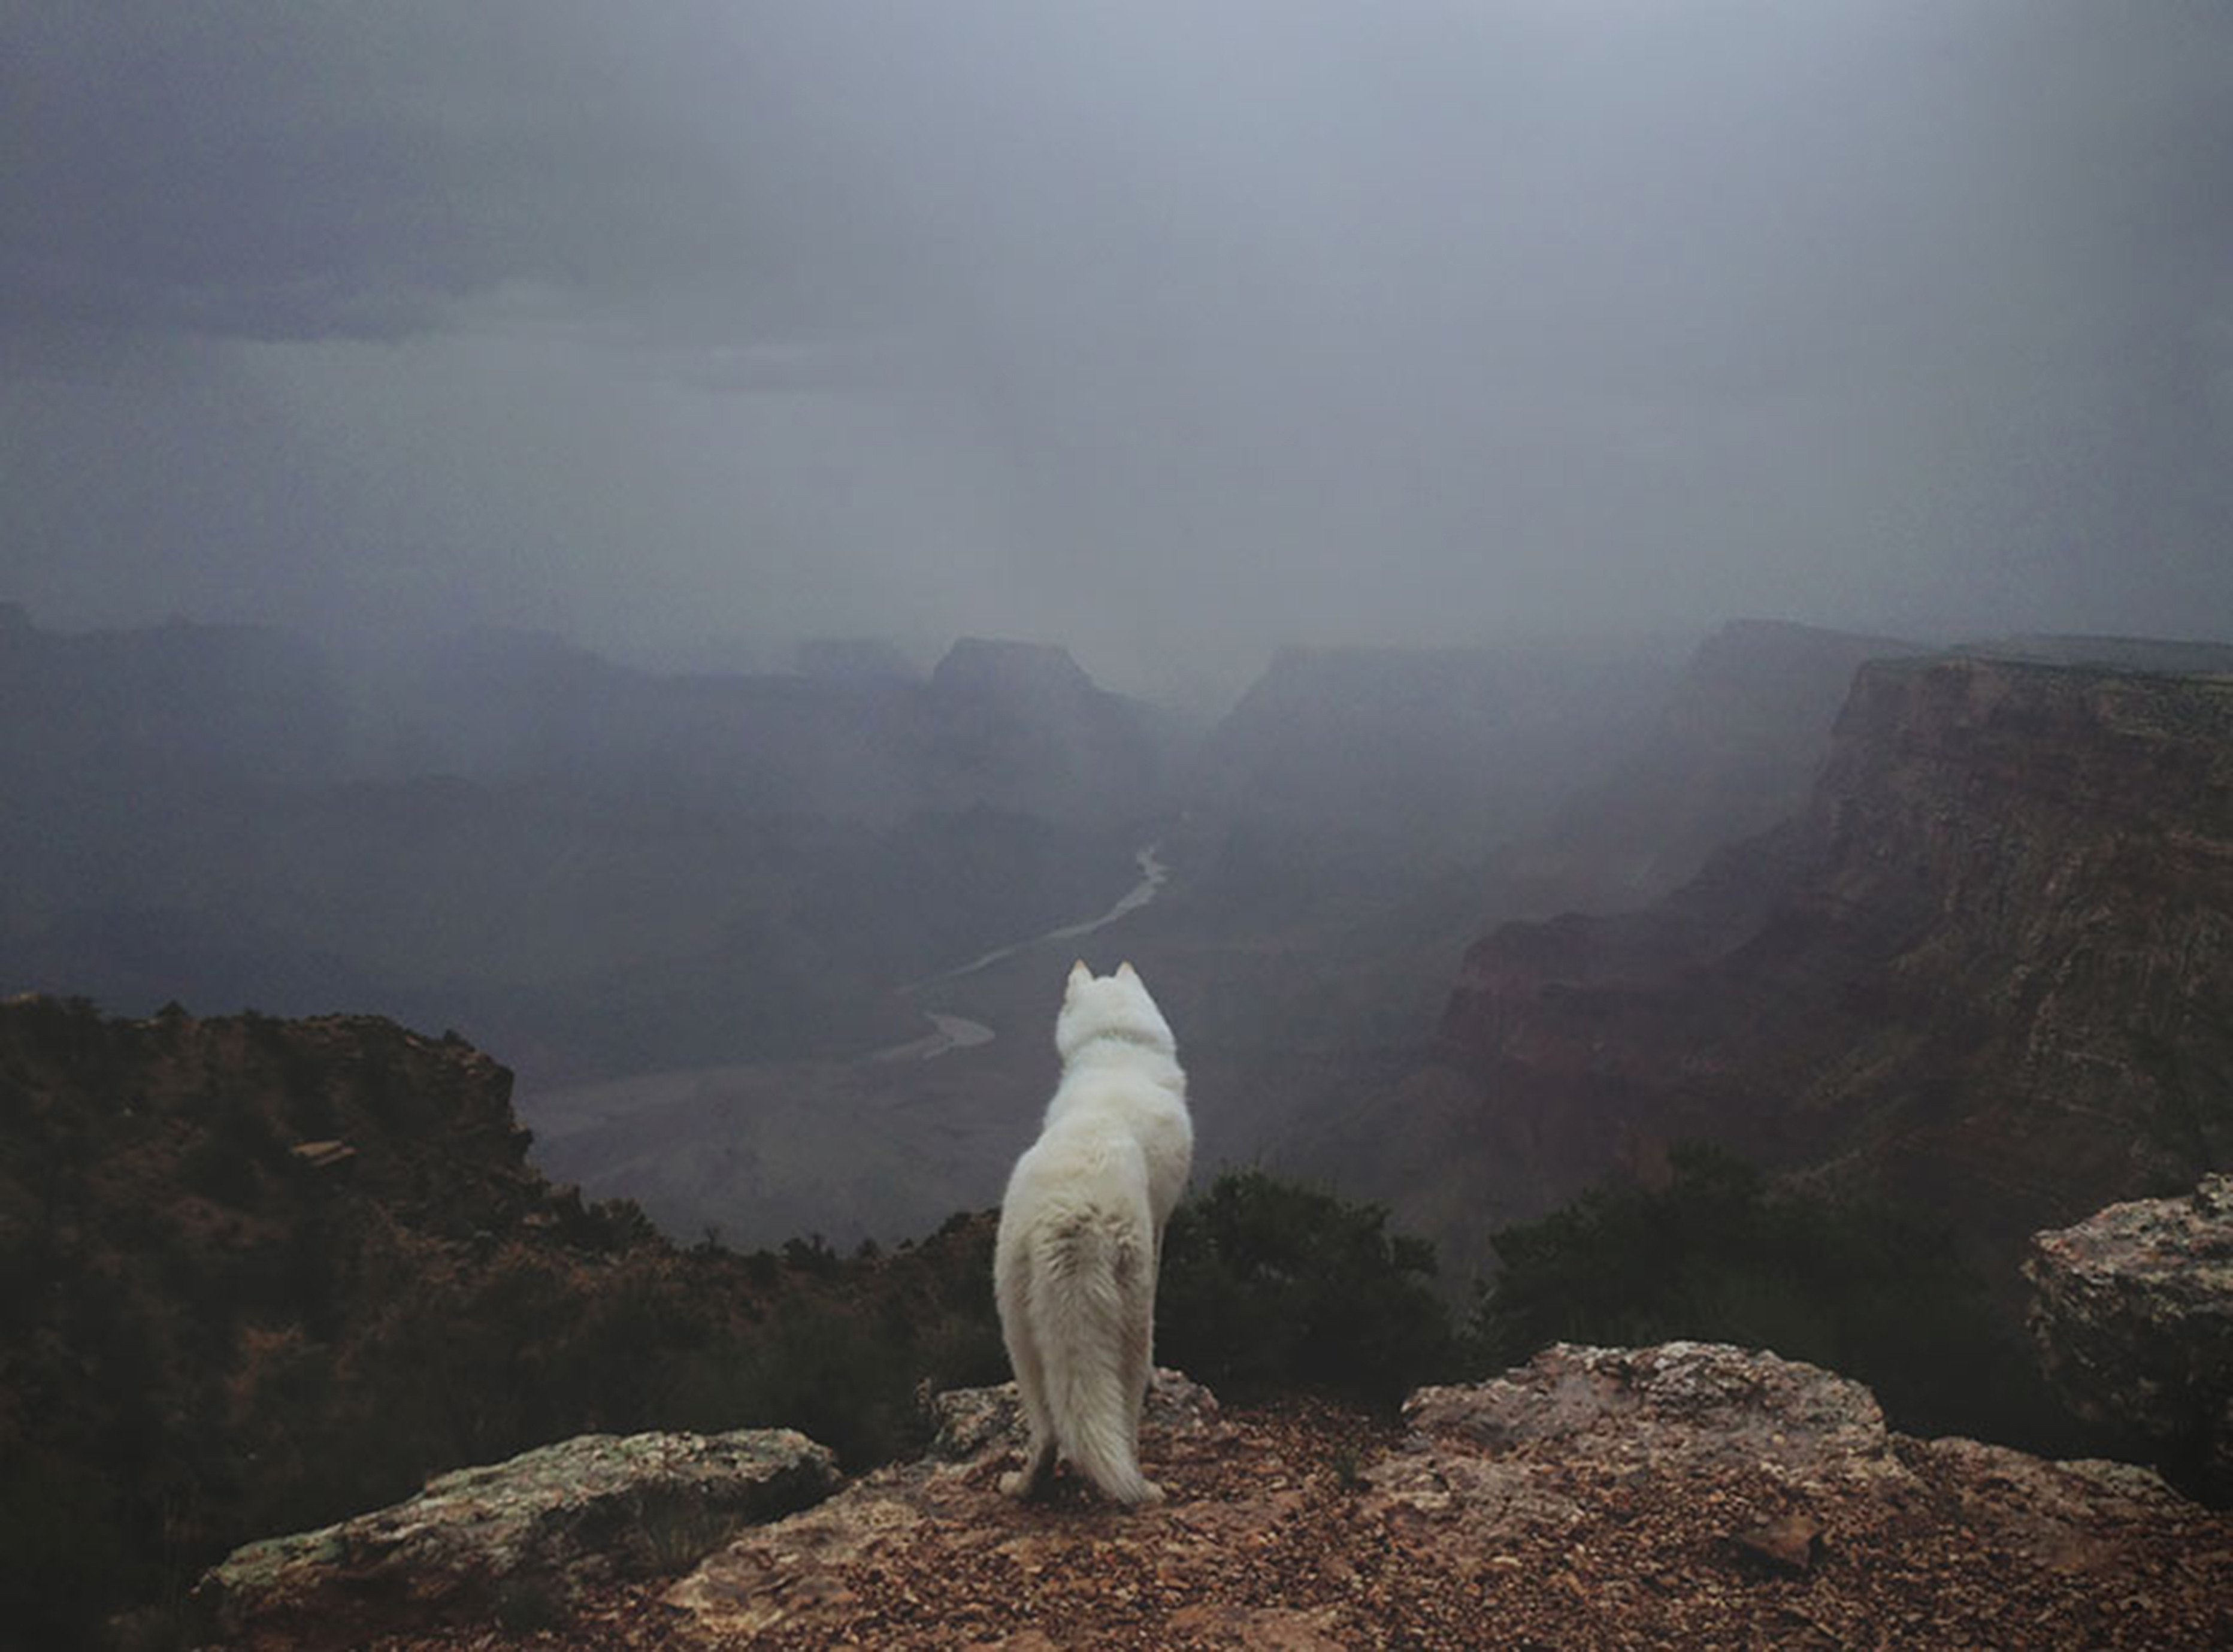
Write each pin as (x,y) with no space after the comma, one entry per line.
(1094,1283)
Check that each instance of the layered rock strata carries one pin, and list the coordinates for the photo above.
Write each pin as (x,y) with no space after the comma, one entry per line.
(1986,970)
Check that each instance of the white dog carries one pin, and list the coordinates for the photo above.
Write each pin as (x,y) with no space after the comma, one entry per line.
(1082,1233)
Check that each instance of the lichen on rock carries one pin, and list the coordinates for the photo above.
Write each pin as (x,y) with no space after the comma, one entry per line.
(2132,1313)
(1678,1405)
(561,1517)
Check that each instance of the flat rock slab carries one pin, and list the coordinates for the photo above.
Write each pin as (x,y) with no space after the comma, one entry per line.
(1678,1406)
(519,1539)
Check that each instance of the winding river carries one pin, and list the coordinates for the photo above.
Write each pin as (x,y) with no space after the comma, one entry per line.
(951,1032)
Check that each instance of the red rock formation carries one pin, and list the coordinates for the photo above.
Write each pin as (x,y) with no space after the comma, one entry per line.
(1989,967)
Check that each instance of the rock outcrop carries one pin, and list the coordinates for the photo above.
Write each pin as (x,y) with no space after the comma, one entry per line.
(2132,1311)
(1685,1495)
(514,1539)
(1020,727)
(1985,971)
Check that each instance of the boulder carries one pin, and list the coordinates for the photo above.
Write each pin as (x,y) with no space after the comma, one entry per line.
(514,1541)
(1679,1408)
(2133,1312)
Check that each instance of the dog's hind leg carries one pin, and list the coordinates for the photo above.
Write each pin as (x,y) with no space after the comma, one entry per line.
(1031,1390)
(1136,1366)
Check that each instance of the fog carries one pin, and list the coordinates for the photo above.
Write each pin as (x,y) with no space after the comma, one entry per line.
(1172,332)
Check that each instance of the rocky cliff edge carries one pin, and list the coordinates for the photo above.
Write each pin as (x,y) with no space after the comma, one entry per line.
(1688,1494)
(2133,1312)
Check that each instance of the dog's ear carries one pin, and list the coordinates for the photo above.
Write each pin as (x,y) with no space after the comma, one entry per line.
(1126,972)
(1078,973)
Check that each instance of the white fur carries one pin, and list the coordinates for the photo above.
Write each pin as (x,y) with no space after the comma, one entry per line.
(1081,1234)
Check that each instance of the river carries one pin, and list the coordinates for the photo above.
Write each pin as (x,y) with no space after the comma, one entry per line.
(950,1033)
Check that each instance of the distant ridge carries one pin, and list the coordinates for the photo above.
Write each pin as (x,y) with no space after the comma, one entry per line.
(984,665)
(2125,653)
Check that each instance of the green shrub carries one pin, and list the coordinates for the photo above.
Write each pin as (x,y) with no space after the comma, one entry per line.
(312,1113)
(678,1534)
(1863,1289)
(836,1378)
(227,1164)
(812,1254)
(1269,1286)
(66,1550)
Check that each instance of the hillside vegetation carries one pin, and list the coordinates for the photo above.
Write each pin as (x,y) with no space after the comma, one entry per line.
(261,1274)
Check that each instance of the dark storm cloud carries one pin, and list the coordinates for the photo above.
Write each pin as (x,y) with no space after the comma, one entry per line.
(273,169)
(1650,189)
(1403,321)
(214,168)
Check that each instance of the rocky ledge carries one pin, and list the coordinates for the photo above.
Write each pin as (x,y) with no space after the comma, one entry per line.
(2132,1311)
(1686,1494)
(516,1541)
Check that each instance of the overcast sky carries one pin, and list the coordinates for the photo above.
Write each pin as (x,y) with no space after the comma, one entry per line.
(1164,329)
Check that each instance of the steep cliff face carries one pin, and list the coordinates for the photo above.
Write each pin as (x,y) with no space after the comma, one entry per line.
(1989,967)
(2033,870)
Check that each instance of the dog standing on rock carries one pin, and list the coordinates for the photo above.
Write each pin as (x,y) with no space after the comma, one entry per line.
(1081,1235)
